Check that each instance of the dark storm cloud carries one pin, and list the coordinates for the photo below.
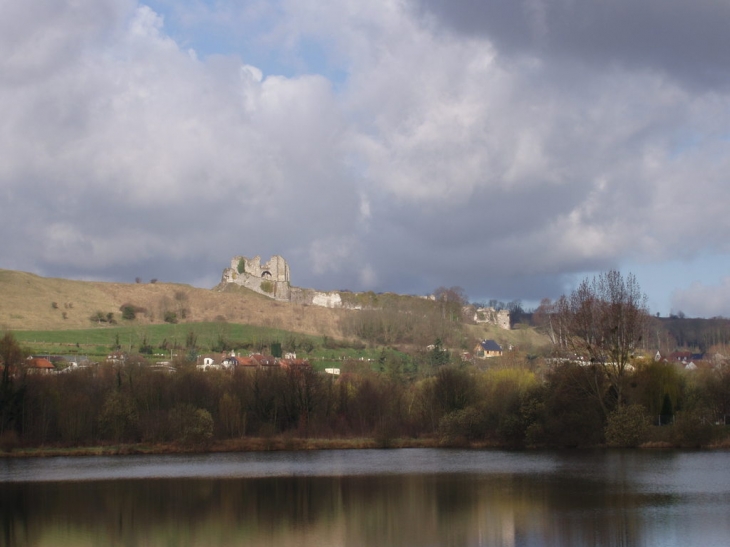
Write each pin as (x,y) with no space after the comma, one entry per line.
(490,246)
(685,38)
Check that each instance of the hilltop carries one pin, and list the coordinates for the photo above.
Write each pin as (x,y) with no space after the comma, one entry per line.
(32,302)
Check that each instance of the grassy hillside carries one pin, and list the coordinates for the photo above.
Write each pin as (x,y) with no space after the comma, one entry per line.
(31,302)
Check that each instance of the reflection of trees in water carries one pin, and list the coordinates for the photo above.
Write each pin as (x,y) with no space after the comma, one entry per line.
(13,518)
(362,510)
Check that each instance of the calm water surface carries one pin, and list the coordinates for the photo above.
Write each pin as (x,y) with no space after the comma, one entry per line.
(414,497)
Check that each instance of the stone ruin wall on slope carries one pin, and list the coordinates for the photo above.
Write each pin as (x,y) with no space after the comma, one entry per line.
(492,316)
(272,279)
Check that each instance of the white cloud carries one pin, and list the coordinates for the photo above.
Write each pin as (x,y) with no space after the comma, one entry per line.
(455,127)
(138,142)
(41,37)
(701,300)
(443,157)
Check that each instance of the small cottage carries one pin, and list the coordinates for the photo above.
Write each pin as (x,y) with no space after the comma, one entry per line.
(40,365)
(487,348)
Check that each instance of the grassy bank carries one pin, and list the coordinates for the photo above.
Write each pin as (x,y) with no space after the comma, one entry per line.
(249,444)
(282,443)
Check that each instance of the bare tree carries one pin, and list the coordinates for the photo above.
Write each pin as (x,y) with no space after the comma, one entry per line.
(606,319)
(544,319)
(550,318)
(451,301)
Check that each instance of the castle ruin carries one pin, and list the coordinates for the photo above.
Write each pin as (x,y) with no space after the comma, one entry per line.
(270,278)
(492,316)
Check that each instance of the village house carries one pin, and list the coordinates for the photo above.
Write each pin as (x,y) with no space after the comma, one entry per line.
(264,360)
(39,365)
(208,362)
(233,361)
(488,348)
(687,360)
(118,358)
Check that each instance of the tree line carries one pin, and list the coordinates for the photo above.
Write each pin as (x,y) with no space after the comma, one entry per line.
(559,405)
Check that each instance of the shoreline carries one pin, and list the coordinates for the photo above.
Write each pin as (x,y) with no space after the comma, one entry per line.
(252,444)
(280,444)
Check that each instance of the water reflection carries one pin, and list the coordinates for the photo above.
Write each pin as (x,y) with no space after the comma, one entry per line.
(588,500)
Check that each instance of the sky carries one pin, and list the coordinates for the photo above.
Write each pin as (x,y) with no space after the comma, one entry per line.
(508,147)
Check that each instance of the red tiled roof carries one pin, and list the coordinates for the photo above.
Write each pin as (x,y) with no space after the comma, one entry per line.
(263,360)
(294,363)
(41,363)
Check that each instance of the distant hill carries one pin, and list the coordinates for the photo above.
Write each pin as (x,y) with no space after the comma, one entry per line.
(31,302)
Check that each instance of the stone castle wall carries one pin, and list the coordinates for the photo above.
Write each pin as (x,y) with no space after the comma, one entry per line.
(276,269)
(270,279)
(310,297)
(492,316)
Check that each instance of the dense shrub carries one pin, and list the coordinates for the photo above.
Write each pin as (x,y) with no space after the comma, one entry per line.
(627,426)
(573,415)
(691,429)
(128,313)
(192,426)
(101,317)
(119,417)
(460,426)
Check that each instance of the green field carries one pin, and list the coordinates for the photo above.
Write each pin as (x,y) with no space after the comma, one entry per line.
(101,340)
(97,343)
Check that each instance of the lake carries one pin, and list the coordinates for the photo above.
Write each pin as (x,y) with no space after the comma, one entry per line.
(410,497)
